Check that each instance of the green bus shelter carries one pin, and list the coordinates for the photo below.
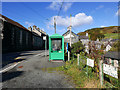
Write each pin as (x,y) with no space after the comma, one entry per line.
(56,47)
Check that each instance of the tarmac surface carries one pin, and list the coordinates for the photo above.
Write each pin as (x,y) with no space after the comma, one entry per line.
(32,73)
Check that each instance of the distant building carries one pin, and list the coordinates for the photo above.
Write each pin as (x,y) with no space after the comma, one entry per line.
(105,41)
(84,39)
(112,58)
(115,40)
(74,36)
(37,31)
(108,47)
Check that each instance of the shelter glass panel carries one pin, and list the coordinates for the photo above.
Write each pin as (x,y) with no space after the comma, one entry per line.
(56,44)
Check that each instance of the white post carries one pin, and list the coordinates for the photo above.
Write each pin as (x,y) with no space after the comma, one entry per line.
(78,57)
(44,38)
(68,55)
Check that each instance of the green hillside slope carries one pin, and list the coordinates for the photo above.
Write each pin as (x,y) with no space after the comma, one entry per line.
(109,32)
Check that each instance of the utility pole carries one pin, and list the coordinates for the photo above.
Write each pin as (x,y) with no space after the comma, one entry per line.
(55,24)
(70,40)
(70,30)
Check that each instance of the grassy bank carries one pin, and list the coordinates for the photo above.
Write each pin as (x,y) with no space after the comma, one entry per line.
(79,75)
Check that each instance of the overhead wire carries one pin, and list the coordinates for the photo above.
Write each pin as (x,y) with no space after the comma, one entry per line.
(57,15)
(60,8)
(34,11)
(16,16)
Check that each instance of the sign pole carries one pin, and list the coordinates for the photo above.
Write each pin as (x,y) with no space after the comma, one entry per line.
(87,67)
(44,38)
(78,57)
(68,55)
(45,46)
(102,74)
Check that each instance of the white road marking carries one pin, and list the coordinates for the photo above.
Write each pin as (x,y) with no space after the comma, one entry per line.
(41,54)
(8,68)
(37,55)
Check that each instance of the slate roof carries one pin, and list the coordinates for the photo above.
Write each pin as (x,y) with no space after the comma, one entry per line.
(113,55)
(114,40)
(12,22)
(71,32)
(104,40)
(83,37)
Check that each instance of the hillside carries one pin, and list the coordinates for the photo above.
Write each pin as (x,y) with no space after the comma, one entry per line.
(109,32)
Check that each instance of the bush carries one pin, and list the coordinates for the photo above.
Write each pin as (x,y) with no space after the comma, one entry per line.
(113,81)
(77,47)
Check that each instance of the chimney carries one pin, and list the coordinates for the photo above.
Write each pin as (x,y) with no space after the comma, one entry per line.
(30,28)
(34,27)
(38,29)
(68,28)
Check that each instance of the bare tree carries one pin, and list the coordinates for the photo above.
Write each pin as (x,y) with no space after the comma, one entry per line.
(96,54)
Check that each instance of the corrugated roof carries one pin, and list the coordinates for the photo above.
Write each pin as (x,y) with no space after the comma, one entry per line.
(12,22)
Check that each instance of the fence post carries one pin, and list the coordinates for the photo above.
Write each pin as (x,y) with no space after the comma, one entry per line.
(101,72)
(73,56)
(86,66)
(78,57)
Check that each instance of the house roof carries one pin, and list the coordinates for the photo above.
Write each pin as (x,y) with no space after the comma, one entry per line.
(114,40)
(12,22)
(112,54)
(83,37)
(109,43)
(104,40)
(71,32)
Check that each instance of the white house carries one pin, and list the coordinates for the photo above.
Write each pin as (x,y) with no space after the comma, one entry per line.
(108,47)
(74,36)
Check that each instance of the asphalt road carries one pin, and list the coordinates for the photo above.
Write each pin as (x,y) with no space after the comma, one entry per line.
(31,73)
(9,58)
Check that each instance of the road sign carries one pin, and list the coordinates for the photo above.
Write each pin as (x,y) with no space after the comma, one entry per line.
(67,47)
(44,37)
(90,62)
(110,70)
